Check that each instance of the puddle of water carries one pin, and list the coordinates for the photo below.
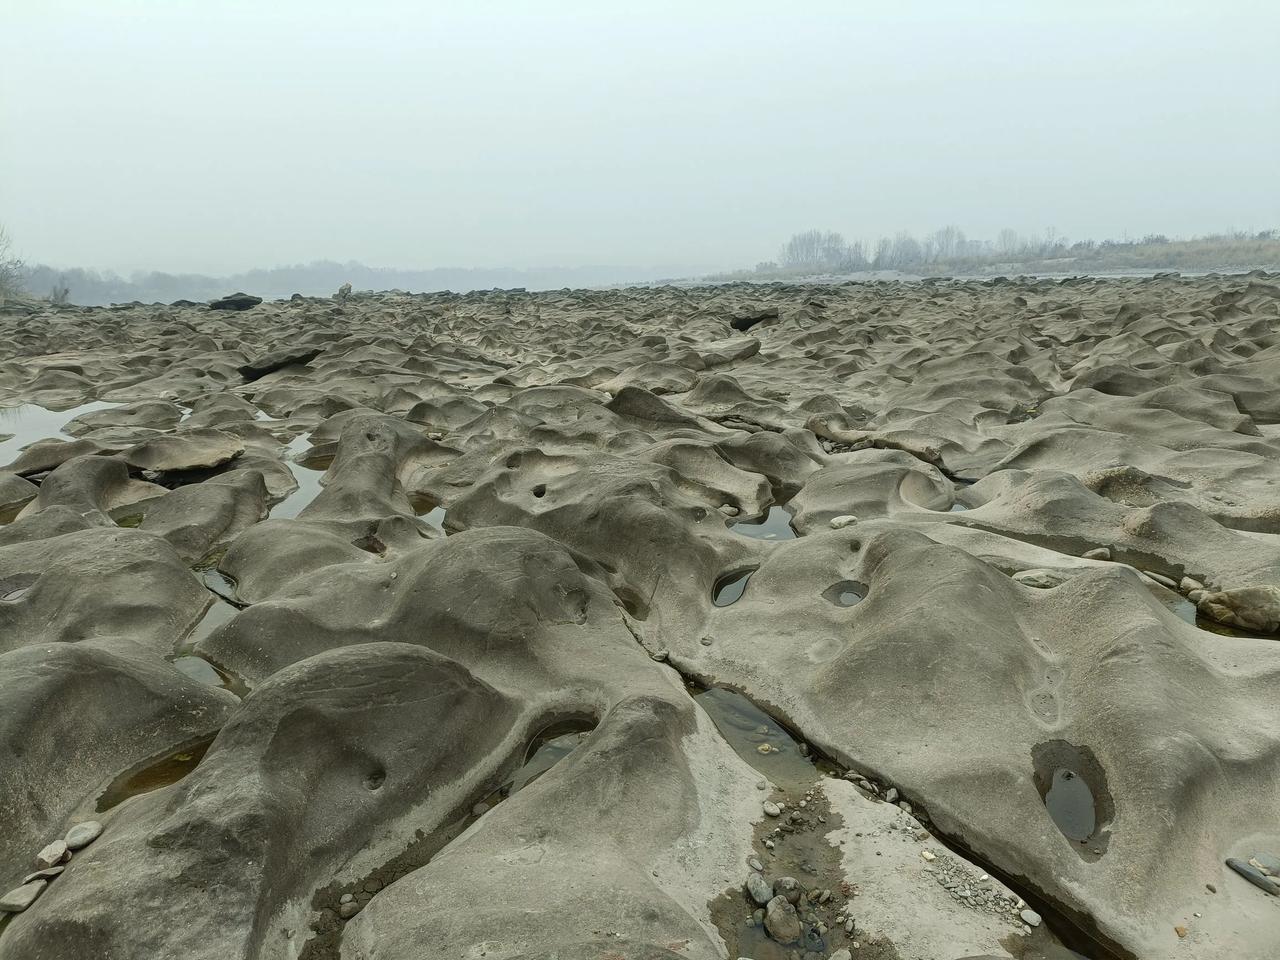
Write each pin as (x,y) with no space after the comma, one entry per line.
(29,423)
(1070,803)
(729,588)
(307,473)
(846,593)
(219,612)
(758,738)
(219,583)
(547,749)
(198,668)
(167,770)
(775,525)
(429,510)
(1073,786)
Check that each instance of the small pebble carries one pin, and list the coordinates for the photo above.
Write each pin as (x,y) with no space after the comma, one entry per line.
(46,874)
(847,520)
(759,889)
(755,864)
(788,887)
(891,795)
(1030,917)
(928,855)
(771,809)
(348,910)
(83,834)
(52,855)
(346,898)
(1100,553)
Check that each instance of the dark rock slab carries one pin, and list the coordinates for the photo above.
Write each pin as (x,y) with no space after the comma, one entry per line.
(237,301)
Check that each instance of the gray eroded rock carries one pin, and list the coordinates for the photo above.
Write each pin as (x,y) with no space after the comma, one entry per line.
(1255,876)
(118,708)
(198,449)
(1254,608)
(235,301)
(759,889)
(781,921)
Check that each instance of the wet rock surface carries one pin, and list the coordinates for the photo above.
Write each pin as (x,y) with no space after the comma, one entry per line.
(876,620)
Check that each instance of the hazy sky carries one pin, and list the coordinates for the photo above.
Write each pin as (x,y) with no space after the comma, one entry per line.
(215,135)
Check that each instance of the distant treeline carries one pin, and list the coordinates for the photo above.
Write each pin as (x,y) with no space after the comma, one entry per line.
(949,252)
(322,278)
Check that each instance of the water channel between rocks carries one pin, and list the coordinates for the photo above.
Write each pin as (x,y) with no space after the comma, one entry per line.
(29,423)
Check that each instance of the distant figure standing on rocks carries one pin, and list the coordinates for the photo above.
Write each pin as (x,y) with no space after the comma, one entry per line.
(344,291)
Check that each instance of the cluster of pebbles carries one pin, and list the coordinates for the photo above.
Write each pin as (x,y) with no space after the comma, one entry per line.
(50,862)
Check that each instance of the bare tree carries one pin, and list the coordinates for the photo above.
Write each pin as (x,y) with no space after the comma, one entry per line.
(814,249)
(945,244)
(1008,241)
(11,267)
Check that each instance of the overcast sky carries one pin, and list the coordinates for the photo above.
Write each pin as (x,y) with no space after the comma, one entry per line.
(215,135)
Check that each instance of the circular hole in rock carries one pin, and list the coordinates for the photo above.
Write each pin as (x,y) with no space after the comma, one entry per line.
(730,587)
(375,779)
(846,593)
(774,525)
(1073,786)
(540,490)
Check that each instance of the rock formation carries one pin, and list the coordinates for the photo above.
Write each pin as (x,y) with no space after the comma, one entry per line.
(919,620)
